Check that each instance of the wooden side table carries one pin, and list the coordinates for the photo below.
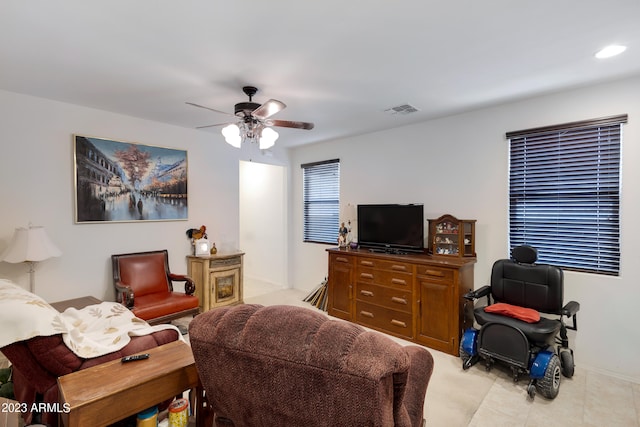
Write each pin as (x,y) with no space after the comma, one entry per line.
(78,303)
(106,393)
(218,279)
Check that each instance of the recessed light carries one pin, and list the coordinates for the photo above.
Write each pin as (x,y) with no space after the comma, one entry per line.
(610,51)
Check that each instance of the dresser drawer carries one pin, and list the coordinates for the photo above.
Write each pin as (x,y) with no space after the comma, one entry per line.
(225,262)
(384,278)
(393,321)
(339,258)
(395,299)
(436,274)
(385,265)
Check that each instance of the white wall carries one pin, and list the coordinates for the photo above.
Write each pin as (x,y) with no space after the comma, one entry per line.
(459,165)
(37,186)
(263,223)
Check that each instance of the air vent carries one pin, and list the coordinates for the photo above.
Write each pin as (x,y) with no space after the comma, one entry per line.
(401,109)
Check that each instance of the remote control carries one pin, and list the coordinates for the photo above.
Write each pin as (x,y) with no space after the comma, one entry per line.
(134,358)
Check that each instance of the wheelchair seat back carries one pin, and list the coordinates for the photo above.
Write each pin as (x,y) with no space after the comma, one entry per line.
(536,286)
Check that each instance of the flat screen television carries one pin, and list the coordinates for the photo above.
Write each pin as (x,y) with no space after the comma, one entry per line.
(391,227)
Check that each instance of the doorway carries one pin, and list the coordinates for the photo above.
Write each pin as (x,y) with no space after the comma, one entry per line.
(263,227)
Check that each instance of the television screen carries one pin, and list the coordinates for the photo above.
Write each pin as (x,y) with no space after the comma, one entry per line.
(391,227)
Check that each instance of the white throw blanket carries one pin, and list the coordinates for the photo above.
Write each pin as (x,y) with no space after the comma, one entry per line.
(90,332)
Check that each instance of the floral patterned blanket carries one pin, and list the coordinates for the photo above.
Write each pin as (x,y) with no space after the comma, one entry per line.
(90,332)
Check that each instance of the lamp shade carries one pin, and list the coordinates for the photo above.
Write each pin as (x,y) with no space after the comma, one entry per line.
(268,138)
(30,244)
(232,135)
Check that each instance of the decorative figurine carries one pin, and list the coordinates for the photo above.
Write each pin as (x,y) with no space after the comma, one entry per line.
(344,235)
(195,234)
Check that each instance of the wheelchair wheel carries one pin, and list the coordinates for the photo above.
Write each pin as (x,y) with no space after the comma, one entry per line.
(566,361)
(467,359)
(531,391)
(549,385)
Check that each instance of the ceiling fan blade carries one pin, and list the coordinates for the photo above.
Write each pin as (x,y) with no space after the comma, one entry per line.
(268,109)
(207,108)
(210,126)
(290,124)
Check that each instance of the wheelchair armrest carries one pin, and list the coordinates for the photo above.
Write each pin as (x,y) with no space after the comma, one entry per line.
(478,293)
(570,309)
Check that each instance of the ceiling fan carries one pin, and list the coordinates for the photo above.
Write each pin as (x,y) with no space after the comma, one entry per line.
(252,121)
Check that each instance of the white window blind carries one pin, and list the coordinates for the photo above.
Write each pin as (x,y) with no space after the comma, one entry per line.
(321,199)
(564,193)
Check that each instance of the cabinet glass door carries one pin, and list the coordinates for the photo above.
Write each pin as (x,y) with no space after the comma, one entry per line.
(446,238)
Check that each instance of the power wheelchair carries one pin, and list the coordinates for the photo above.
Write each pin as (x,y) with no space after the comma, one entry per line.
(522,289)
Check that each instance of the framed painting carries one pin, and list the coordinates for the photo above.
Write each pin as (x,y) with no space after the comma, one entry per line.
(119,181)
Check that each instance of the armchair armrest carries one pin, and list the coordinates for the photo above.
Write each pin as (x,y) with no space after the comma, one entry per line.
(124,295)
(189,286)
(418,378)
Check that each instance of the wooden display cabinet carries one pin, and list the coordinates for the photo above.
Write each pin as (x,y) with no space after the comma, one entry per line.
(449,236)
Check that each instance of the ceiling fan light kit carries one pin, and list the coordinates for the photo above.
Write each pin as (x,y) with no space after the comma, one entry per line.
(253,125)
(231,134)
(234,135)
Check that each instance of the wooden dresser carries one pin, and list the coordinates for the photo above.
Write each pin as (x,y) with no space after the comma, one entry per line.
(417,297)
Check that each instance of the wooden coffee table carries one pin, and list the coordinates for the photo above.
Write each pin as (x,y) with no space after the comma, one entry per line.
(106,393)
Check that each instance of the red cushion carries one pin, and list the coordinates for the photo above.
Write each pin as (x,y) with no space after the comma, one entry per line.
(528,315)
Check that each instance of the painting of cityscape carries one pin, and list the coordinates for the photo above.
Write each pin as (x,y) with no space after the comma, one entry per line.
(121,181)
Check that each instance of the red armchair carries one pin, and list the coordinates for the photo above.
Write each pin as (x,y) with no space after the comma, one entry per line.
(144,284)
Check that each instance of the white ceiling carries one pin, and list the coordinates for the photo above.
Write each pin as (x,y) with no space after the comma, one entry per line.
(338,64)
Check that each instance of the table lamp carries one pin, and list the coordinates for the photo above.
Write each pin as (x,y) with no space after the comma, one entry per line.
(30,245)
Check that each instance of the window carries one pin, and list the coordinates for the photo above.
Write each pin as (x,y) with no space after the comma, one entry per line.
(564,193)
(321,200)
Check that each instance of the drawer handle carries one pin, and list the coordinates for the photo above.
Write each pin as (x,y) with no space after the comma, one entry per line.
(366,275)
(367,263)
(366,314)
(341,259)
(399,300)
(435,273)
(366,293)
(399,267)
(395,322)
(398,281)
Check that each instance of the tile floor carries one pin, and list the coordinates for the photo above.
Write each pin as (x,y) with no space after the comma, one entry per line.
(479,398)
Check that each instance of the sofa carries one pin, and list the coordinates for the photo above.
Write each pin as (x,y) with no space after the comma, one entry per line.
(43,344)
(293,366)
